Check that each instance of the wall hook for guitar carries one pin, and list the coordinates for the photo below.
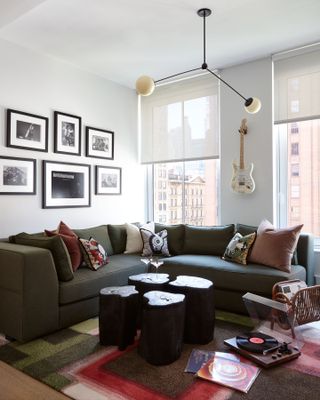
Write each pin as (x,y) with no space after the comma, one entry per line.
(242,180)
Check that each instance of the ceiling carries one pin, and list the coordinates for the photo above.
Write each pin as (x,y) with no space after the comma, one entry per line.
(123,39)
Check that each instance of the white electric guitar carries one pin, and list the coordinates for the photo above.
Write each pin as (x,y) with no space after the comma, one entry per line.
(242,181)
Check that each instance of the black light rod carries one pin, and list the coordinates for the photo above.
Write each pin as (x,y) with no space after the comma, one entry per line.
(220,79)
(180,73)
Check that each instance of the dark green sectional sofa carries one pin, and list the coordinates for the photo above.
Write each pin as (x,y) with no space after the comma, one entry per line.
(33,302)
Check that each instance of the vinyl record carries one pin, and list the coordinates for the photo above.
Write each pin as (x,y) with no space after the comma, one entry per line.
(256,342)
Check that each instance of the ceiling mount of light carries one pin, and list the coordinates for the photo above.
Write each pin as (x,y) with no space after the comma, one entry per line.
(146,85)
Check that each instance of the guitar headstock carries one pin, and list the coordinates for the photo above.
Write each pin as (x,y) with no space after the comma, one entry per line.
(243,128)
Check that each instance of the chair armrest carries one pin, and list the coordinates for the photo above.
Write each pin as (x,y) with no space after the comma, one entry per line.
(28,291)
(305,251)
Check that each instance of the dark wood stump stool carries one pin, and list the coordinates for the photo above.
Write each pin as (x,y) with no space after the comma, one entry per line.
(145,283)
(162,327)
(118,315)
(200,310)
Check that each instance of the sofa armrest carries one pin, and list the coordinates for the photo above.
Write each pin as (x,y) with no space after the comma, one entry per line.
(305,251)
(28,292)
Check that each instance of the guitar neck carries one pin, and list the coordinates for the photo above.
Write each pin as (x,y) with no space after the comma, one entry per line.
(241,151)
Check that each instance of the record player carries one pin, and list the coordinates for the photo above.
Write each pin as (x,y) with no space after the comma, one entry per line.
(271,342)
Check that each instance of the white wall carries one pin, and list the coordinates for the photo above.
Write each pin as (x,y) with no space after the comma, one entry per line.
(253,79)
(37,84)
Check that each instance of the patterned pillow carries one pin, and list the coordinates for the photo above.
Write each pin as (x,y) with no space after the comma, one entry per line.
(154,243)
(93,253)
(238,248)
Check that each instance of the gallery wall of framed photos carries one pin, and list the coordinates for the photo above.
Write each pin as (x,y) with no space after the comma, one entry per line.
(64,184)
(57,102)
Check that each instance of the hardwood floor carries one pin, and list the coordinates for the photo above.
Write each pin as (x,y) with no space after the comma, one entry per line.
(14,385)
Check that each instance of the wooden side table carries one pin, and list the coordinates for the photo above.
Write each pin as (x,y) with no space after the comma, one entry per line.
(145,283)
(162,327)
(118,315)
(200,310)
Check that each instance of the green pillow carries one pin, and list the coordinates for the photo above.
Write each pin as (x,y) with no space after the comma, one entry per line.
(57,247)
(100,233)
(118,237)
(175,237)
(211,240)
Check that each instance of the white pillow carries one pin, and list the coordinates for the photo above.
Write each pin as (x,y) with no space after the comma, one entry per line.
(134,240)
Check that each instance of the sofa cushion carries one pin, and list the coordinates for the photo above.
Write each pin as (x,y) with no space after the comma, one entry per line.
(275,247)
(207,240)
(175,237)
(154,243)
(100,233)
(134,240)
(230,276)
(58,249)
(118,237)
(238,248)
(94,254)
(246,229)
(87,284)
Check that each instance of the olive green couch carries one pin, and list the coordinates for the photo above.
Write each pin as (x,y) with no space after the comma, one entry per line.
(34,302)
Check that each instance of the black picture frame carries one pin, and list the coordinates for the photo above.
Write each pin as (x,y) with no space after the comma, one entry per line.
(18,176)
(65,185)
(99,143)
(67,133)
(27,131)
(108,180)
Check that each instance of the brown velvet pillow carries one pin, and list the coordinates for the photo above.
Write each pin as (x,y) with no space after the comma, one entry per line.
(275,247)
(71,241)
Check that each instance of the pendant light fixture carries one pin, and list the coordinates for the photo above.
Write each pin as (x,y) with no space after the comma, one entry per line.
(146,85)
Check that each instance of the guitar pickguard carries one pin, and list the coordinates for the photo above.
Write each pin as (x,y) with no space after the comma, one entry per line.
(242,180)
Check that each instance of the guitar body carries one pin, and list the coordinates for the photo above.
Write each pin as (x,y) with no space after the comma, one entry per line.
(242,180)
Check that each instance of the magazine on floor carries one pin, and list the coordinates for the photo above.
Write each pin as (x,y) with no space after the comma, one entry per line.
(199,357)
(229,372)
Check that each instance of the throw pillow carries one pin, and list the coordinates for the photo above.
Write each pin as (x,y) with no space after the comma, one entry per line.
(238,248)
(58,249)
(134,240)
(275,247)
(93,253)
(154,243)
(71,241)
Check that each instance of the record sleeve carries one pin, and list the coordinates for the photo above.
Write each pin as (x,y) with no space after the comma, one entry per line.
(233,374)
(199,357)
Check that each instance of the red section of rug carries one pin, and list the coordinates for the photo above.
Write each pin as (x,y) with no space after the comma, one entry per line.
(94,372)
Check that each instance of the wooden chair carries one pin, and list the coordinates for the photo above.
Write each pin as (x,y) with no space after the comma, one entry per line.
(303,306)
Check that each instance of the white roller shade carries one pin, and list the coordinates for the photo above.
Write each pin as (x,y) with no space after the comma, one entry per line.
(297,86)
(180,121)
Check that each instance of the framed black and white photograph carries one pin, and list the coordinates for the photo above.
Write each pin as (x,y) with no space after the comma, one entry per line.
(108,180)
(17,175)
(67,133)
(65,185)
(27,131)
(100,143)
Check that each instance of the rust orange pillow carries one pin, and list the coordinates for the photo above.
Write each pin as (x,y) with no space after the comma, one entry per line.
(71,241)
(275,247)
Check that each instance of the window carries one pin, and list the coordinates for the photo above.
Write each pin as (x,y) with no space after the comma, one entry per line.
(294,169)
(295,191)
(180,138)
(193,175)
(294,128)
(297,100)
(295,149)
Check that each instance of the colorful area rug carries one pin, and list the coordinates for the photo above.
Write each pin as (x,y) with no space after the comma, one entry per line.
(72,361)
